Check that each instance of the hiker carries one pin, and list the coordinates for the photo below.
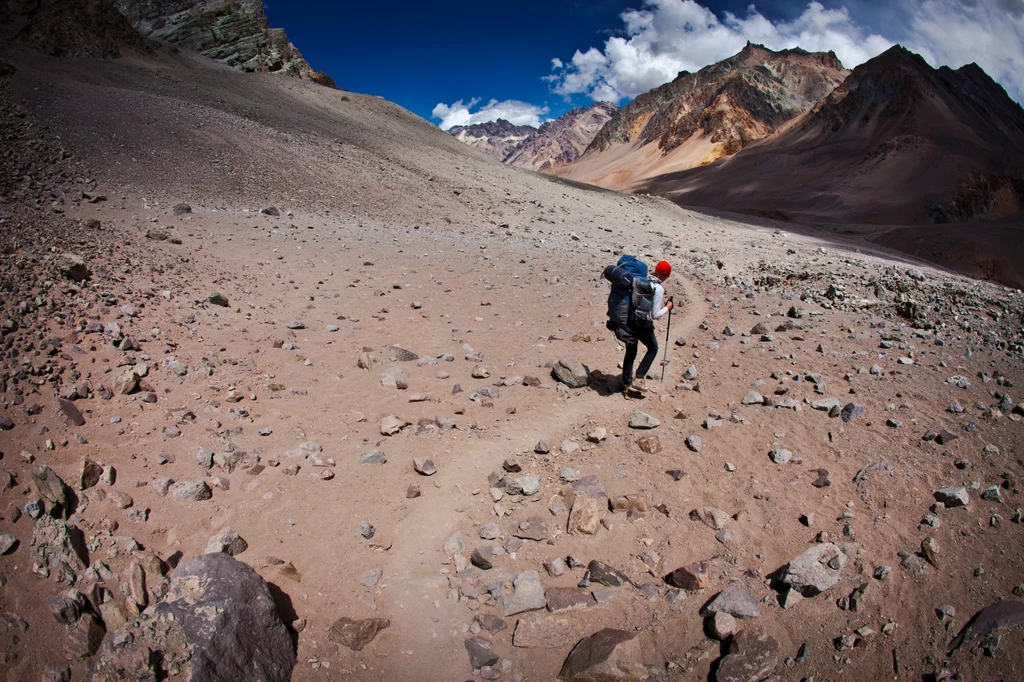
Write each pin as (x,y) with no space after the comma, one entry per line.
(635,301)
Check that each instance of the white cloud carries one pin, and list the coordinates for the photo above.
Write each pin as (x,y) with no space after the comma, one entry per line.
(989,33)
(669,36)
(515,112)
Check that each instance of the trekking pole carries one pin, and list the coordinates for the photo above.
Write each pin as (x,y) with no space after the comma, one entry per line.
(664,360)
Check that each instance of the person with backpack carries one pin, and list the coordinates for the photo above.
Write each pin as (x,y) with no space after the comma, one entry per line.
(635,301)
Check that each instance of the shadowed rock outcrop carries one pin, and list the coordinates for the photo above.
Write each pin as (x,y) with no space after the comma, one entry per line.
(217,622)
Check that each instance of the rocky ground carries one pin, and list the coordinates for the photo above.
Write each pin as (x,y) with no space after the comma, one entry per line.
(315,335)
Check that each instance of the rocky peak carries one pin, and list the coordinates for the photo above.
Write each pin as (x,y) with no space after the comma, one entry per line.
(561,141)
(730,104)
(897,93)
(496,139)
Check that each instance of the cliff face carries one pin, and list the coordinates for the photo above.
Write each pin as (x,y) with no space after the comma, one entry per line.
(732,103)
(234,32)
(496,139)
(561,141)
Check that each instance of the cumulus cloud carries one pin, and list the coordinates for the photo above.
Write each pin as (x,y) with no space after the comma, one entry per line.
(514,111)
(669,36)
(989,33)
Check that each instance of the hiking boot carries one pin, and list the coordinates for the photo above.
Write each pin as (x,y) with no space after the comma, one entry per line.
(640,385)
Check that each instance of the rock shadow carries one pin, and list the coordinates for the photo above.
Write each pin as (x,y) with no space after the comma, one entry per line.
(286,610)
(605,384)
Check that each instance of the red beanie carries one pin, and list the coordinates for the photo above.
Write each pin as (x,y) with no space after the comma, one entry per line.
(662,269)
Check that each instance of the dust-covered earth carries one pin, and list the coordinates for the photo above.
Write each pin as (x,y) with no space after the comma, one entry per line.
(296,296)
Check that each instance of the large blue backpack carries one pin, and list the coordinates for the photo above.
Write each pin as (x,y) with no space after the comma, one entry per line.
(631,298)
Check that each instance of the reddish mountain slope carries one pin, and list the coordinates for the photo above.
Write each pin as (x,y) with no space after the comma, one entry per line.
(897,143)
(700,117)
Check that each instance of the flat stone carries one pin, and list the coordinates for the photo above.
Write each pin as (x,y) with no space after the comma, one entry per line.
(120,499)
(642,420)
(585,516)
(713,517)
(722,625)
(482,557)
(546,631)
(226,541)
(356,634)
(649,444)
(780,455)
(753,398)
(191,491)
(424,466)
(694,443)
(533,528)
(826,404)
(90,474)
(490,622)
(752,656)
(72,415)
(489,531)
(50,486)
(528,594)
(373,457)
(1001,615)
(852,411)
(607,655)
(603,574)
(690,577)
(588,486)
(735,601)
(480,653)
(566,598)
(391,425)
(303,450)
(953,497)
(636,502)
(812,572)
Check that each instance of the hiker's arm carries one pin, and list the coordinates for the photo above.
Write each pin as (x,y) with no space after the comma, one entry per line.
(659,297)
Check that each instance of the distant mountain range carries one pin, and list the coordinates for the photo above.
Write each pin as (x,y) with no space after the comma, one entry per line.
(794,136)
(496,139)
(898,142)
(701,117)
(554,144)
(561,141)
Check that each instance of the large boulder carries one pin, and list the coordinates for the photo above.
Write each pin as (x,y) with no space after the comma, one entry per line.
(571,373)
(217,622)
(72,266)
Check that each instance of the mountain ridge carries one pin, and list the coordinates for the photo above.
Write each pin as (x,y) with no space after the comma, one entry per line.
(700,117)
(897,143)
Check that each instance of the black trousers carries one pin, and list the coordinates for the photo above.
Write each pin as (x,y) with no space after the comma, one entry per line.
(650,341)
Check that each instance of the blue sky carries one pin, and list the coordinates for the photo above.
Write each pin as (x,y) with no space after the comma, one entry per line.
(467,62)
